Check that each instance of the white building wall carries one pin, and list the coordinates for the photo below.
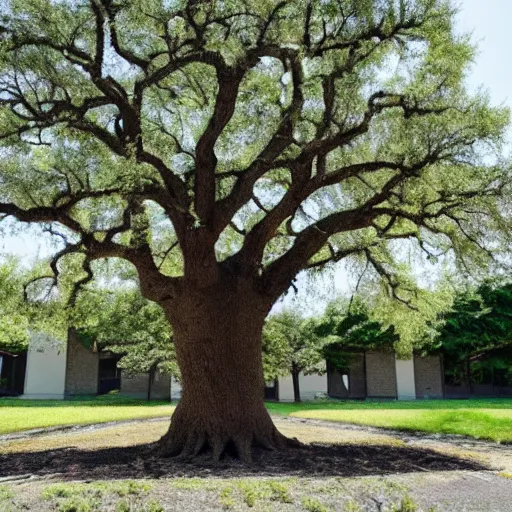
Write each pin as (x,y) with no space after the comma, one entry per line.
(45,375)
(405,384)
(309,385)
(175,389)
(285,389)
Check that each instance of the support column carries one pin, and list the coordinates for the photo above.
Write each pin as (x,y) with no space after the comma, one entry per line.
(45,375)
(405,383)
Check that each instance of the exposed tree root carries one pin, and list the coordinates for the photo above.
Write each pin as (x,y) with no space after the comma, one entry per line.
(242,447)
(187,441)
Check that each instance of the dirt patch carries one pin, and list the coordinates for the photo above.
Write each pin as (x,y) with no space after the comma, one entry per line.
(286,425)
(131,434)
(493,455)
(311,460)
(342,467)
(125,451)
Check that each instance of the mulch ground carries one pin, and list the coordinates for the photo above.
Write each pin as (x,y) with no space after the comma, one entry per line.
(314,460)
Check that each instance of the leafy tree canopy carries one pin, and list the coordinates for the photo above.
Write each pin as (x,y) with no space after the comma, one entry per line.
(13,323)
(479,322)
(270,136)
(350,329)
(18,318)
(110,313)
(290,344)
(122,321)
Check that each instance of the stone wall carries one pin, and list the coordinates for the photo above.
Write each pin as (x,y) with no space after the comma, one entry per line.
(81,368)
(428,374)
(357,377)
(380,375)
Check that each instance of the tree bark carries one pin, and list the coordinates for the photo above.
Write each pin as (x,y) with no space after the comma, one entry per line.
(151,379)
(217,334)
(296,383)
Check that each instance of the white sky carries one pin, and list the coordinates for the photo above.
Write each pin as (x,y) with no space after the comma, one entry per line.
(489,23)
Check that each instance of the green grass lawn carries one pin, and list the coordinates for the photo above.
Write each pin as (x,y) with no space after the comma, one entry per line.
(482,419)
(17,415)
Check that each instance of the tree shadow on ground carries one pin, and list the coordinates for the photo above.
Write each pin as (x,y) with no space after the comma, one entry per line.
(314,460)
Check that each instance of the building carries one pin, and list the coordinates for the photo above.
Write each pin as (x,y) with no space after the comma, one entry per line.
(51,369)
(371,374)
(12,371)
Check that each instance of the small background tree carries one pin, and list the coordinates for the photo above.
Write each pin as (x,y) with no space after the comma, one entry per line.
(476,335)
(348,328)
(291,347)
(20,317)
(120,320)
(14,322)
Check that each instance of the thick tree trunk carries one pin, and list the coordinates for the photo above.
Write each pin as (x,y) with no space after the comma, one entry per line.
(218,346)
(296,384)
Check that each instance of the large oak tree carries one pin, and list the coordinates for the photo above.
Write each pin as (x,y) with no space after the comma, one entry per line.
(250,140)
